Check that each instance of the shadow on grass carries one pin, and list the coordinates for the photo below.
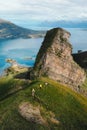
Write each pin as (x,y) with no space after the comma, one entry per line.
(23,75)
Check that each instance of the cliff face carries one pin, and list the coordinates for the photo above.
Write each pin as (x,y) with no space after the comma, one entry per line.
(55,61)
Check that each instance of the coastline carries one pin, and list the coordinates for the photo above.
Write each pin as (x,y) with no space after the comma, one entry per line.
(14,68)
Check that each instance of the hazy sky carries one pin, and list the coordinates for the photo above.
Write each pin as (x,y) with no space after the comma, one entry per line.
(51,10)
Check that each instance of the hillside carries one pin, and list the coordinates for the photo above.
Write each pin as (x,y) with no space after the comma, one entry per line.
(9,30)
(69,107)
(81,59)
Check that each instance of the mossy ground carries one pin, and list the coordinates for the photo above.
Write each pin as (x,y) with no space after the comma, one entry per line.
(69,107)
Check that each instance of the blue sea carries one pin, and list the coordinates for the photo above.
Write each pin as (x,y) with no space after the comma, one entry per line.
(24,51)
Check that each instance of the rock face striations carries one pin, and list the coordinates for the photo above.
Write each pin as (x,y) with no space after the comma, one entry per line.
(54,59)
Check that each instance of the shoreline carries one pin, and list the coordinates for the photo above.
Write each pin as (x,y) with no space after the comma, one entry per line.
(13,68)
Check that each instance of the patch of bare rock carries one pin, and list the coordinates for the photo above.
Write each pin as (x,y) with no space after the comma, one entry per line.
(34,114)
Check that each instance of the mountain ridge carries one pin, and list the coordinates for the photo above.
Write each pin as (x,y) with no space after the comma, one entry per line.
(64,24)
(9,30)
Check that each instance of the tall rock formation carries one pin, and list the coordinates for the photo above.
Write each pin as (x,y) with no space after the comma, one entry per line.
(55,61)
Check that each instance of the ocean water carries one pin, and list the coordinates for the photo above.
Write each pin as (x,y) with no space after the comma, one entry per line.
(24,51)
(78,39)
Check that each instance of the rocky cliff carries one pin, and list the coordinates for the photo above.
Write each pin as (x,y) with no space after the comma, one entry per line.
(55,61)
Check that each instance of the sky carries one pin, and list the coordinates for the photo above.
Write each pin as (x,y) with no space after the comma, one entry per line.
(43,10)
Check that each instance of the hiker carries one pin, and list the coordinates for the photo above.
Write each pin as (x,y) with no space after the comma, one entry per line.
(78,88)
(33,92)
(40,86)
(46,83)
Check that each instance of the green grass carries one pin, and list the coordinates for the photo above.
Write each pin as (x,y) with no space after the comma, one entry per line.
(69,107)
(10,85)
(85,84)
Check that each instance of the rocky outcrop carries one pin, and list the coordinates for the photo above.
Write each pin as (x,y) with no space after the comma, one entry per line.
(54,59)
(16,68)
(33,114)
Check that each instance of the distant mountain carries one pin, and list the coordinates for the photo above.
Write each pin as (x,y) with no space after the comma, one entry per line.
(64,24)
(9,30)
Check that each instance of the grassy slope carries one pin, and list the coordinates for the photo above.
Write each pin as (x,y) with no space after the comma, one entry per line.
(69,107)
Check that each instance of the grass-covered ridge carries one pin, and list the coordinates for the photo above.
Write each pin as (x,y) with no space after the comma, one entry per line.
(69,107)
